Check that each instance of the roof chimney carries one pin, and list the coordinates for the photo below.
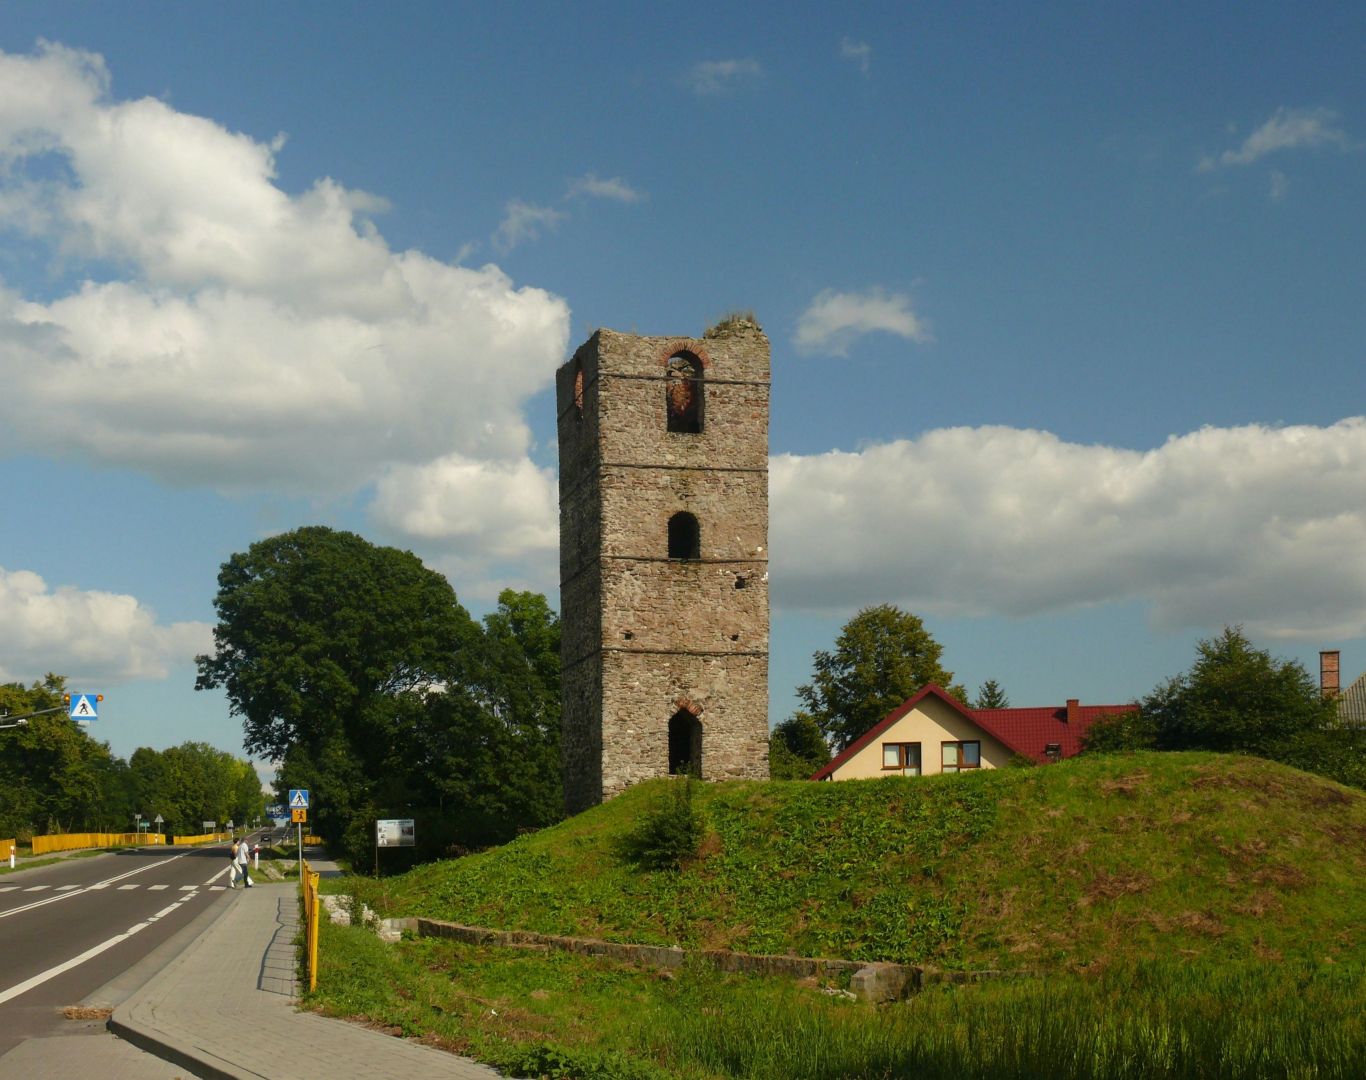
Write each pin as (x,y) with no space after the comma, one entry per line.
(1073,710)
(1328,673)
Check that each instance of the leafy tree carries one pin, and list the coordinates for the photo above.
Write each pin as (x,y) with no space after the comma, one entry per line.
(1236,697)
(796,748)
(991,696)
(321,637)
(1122,731)
(492,746)
(882,656)
(57,778)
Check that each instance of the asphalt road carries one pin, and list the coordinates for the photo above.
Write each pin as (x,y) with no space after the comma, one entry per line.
(68,929)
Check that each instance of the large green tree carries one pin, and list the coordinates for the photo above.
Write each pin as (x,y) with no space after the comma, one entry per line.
(56,777)
(1236,697)
(796,748)
(882,656)
(322,640)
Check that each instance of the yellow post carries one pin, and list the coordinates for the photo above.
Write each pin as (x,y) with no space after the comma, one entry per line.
(313,936)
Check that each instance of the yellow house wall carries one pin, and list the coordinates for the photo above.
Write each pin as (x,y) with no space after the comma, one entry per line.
(931,723)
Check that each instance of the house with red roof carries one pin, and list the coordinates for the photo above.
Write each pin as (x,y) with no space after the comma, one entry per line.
(933,732)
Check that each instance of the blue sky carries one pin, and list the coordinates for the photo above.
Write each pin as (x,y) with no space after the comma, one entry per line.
(1066,309)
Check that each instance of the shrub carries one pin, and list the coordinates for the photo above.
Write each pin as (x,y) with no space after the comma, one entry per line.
(669,833)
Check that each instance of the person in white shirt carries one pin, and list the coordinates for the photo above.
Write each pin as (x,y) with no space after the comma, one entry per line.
(232,865)
(243,859)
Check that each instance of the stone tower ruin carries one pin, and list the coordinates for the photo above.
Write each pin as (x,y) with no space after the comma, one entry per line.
(664,558)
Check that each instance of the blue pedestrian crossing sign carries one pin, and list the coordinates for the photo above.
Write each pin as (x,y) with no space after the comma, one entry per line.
(298,798)
(85,706)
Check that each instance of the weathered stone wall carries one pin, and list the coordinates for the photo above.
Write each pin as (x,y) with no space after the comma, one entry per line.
(644,631)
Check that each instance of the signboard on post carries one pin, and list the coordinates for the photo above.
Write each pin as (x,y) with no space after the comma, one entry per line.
(396,832)
(85,706)
(209,826)
(299,816)
(298,798)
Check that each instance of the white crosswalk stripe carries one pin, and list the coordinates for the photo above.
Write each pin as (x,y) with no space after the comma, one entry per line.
(187,888)
(157,888)
(125,888)
(8,888)
(35,888)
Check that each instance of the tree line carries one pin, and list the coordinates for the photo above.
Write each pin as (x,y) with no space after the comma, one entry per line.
(58,779)
(357,669)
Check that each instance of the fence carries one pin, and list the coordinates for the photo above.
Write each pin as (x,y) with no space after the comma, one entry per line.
(44,845)
(308,882)
(7,849)
(203,838)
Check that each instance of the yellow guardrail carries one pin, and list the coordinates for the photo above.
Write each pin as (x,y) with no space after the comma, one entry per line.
(7,848)
(44,845)
(203,838)
(308,884)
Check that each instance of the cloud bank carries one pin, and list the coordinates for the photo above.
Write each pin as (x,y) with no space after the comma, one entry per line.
(94,637)
(1257,525)
(221,331)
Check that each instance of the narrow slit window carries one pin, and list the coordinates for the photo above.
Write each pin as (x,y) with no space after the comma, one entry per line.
(683,393)
(685,536)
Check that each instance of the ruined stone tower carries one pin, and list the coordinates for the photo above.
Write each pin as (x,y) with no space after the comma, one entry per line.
(664,558)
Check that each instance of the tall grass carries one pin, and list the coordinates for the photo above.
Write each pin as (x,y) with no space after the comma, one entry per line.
(1162,1021)
(561,1015)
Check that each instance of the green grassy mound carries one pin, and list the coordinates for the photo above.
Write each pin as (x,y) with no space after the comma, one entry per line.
(1093,861)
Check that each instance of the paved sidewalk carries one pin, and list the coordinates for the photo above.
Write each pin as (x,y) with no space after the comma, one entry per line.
(224,1008)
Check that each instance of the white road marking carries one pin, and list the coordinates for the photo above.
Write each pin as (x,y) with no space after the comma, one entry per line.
(218,888)
(167,910)
(75,961)
(67,888)
(188,888)
(134,885)
(98,885)
(35,888)
(157,888)
(8,888)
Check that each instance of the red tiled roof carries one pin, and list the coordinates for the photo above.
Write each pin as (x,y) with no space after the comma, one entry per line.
(1025,731)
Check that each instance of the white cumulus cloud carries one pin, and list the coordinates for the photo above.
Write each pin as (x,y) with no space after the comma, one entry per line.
(709,77)
(472,509)
(1254,525)
(1286,129)
(523,222)
(223,331)
(90,636)
(613,187)
(833,320)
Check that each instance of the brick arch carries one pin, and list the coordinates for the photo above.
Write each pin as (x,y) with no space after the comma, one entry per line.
(684,345)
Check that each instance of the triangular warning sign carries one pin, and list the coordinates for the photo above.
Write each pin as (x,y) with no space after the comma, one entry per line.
(83,708)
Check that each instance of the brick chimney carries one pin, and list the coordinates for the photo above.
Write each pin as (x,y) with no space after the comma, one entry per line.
(1329,685)
(1073,710)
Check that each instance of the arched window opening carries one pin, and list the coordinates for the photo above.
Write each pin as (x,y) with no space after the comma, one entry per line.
(685,744)
(578,389)
(685,536)
(683,393)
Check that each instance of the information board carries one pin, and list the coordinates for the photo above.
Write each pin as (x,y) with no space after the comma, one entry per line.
(396,832)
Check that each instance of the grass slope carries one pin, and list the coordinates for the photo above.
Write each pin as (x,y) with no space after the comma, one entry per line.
(1089,862)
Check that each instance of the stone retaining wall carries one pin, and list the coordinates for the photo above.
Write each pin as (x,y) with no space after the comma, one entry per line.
(874,982)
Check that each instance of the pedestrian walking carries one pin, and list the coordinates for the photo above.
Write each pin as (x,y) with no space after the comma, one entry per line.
(244,860)
(232,865)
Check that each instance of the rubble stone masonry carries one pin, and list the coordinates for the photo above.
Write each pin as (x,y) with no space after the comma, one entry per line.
(644,635)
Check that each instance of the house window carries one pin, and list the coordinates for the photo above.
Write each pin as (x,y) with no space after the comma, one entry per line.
(962,755)
(902,757)
(1053,751)
(685,536)
(683,393)
(685,744)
